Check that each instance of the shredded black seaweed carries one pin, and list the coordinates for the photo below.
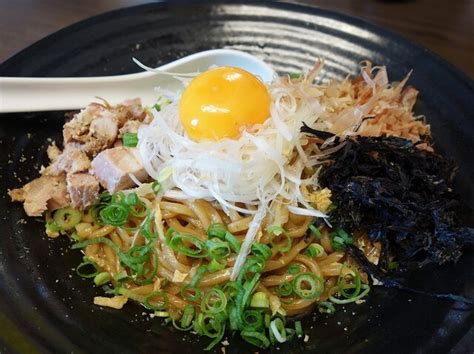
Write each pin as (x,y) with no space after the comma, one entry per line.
(402,197)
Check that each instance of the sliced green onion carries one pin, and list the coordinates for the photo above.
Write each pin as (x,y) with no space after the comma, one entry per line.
(130,139)
(86,274)
(353,284)
(253,320)
(114,214)
(219,230)
(349,287)
(135,207)
(132,199)
(278,329)
(260,300)
(233,242)
(211,326)
(151,302)
(275,230)
(393,265)
(266,319)
(135,258)
(76,237)
(162,314)
(121,276)
(248,289)
(138,254)
(365,290)
(140,276)
(255,338)
(218,249)
(252,265)
(117,198)
(315,231)
(290,333)
(156,187)
(314,250)
(295,75)
(52,226)
(102,278)
(286,246)
(147,228)
(198,276)
(340,239)
(232,288)
(261,251)
(216,265)
(161,102)
(139,210)
(285,289)
(66,218)
(326,307)
(217,339)
(308,285)
(298,329)
(191,293)
(178,243)
(214,301)
(208,325)
(186,321)
(294,269)
(235,318)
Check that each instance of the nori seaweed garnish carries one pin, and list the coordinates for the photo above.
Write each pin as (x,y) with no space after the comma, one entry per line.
(402,196)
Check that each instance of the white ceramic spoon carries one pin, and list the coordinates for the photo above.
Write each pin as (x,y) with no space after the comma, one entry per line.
(26,94)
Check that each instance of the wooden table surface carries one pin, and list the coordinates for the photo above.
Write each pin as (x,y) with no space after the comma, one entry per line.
(444,26)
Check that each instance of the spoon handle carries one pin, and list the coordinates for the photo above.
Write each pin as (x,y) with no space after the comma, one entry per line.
(25,94)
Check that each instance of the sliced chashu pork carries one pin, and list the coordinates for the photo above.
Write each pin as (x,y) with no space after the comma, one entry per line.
(83,190)
(71,160)
(97,126)
(113,168)
(41,194)
(89,132)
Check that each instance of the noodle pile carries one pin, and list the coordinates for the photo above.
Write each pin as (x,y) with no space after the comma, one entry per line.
(195,218)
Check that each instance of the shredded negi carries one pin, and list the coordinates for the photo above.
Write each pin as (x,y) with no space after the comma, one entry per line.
(339,186)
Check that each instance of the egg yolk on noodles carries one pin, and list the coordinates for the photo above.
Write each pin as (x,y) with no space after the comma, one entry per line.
(221,102)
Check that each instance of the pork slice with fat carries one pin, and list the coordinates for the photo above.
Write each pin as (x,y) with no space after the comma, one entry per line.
(83,190)
(71,160)
(113,166)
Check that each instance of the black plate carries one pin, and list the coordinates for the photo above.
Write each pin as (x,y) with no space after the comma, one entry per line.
(45,307)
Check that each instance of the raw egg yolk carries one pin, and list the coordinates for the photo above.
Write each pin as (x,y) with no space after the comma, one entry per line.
(220,102)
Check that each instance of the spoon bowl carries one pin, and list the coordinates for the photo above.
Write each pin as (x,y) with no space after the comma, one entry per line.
(25,94)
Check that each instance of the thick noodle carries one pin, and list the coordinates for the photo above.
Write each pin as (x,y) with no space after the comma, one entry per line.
(176,270)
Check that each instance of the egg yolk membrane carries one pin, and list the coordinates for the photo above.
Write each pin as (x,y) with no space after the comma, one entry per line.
(221,102)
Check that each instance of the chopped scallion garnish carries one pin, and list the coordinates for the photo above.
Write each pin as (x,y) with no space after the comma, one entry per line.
(260,300)
(315,231)
(294,269)
(157,300)
(130,139)
(308,285)
(102,278)
(340,239)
